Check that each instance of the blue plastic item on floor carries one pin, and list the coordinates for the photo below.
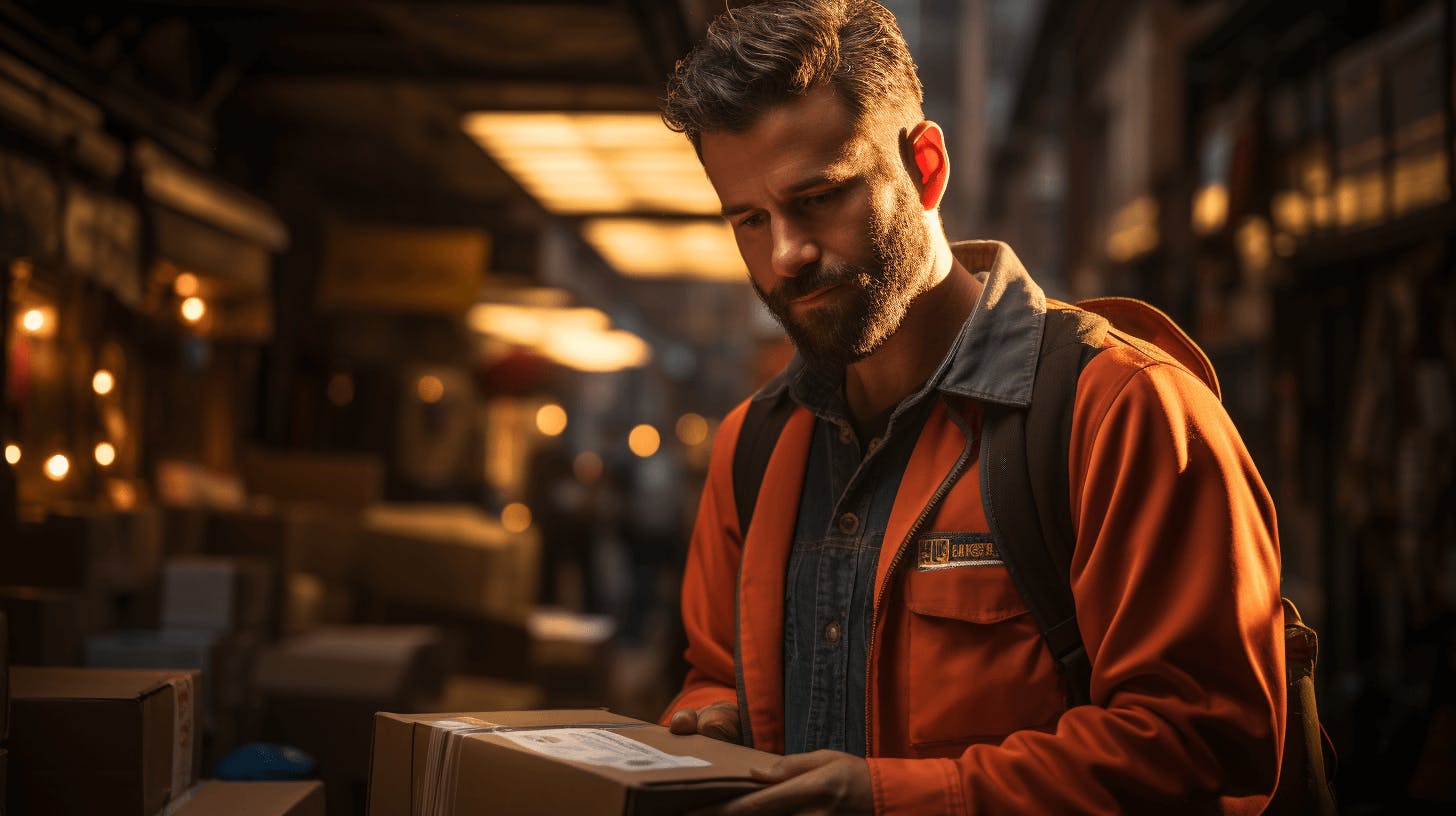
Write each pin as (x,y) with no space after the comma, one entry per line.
(264,762)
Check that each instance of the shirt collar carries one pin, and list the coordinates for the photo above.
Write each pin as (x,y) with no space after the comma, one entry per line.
(993,358)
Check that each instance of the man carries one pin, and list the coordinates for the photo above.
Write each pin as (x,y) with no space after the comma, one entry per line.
(901,687)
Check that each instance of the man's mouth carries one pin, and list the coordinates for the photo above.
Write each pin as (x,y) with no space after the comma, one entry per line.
(805,300)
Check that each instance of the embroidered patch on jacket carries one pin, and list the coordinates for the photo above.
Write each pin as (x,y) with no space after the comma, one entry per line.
(946,550)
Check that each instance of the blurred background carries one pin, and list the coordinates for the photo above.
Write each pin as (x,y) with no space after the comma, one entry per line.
(368,355)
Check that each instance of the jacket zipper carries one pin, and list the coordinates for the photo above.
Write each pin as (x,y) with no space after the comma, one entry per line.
(935,500)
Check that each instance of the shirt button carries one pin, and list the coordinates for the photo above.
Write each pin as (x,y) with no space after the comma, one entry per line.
(848,523)
(874,444)
(831,632)
(845,434)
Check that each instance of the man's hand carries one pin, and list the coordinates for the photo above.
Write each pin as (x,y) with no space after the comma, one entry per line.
(719,721)
(827,782)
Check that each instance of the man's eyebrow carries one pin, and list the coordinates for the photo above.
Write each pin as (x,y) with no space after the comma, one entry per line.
(830,175)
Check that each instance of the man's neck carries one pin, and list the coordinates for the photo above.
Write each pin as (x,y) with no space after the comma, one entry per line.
(875,385)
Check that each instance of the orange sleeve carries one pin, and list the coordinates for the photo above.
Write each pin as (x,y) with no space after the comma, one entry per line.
(1176,580)
(710,580)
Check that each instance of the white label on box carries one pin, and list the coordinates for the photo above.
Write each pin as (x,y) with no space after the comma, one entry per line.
(597,746)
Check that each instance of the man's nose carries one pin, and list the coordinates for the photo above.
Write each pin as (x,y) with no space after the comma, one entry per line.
(793,248)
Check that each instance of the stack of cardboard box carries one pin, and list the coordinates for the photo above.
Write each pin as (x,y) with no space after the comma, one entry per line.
(319,690)
(454,559)
(47,625)
(112,551)
(258,611)
(214,616)
(73,572)
(320,498)
(124,742)
(457,568)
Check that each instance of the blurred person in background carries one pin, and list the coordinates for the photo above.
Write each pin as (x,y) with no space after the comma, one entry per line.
(652,530)
(894,685)
(565,511)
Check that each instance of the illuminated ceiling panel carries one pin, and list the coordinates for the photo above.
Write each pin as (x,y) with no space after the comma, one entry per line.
(648,248)
(596,163)
(580,338)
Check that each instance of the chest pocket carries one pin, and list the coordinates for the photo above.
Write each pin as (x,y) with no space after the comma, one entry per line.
(979,670)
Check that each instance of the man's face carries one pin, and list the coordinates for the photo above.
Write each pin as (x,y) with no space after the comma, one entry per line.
(828,222)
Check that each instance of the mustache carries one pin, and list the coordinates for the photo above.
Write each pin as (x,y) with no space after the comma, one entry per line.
(811,279)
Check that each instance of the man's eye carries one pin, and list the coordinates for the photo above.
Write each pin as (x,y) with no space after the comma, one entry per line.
(821,197)
(752,221)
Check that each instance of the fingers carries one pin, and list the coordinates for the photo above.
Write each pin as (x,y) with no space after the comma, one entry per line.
(819,782)
(684,722)
(719,721)
(793,796)
(793,765)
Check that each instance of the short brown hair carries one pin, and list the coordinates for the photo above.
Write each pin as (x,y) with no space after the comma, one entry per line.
(763,55)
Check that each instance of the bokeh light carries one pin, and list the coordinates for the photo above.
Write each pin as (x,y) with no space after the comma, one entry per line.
(644,440)
(551,419)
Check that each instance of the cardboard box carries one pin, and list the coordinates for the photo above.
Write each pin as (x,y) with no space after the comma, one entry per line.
(113,741)
(310,602)
(452,559)
(571,655)
(479,645)
(319,691)
(190,484)
(219,594)
(469,692)
(86,549)
(350,480)
(318,540)
(216,798)
(385,664)
(184,529)
(46,626)
(323,541)
(567,761)
(224,661)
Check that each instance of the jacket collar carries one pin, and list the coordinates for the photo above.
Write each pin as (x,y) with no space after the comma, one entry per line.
(993,358)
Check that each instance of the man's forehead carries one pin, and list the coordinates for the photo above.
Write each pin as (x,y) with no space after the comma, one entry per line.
(814,132)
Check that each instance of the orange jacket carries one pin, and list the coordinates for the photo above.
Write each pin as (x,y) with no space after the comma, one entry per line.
(1176,581)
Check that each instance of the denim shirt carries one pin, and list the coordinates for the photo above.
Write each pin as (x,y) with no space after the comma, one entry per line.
(849,490)
(828,605)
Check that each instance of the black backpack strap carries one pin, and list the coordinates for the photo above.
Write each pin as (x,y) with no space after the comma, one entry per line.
(762,425)
(1025,491)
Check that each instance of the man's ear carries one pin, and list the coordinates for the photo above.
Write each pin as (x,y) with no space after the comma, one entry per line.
(929,163)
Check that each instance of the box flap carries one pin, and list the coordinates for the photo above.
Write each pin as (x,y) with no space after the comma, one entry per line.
(63,683)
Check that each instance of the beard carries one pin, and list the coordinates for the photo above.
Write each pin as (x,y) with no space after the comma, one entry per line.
(855,323)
